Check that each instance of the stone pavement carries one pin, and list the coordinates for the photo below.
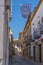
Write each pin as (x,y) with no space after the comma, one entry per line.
(19,60)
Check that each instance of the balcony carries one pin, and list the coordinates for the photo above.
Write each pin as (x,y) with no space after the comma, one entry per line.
(37,33)
(9,16)
(7,3)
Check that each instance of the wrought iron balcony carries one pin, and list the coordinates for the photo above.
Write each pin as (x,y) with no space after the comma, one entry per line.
(37,33)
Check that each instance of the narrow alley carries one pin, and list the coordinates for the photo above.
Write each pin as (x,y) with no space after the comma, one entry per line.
(21,32)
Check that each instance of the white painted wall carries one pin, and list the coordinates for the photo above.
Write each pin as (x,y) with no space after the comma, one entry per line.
(36,19)
(2,9)
(4,40)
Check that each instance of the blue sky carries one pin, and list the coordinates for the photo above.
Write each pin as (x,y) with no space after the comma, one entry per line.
(17,23)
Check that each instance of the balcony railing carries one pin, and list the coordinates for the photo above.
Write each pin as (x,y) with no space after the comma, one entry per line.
(38,32)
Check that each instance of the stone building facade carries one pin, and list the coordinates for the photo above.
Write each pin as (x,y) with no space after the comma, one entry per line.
(4,29)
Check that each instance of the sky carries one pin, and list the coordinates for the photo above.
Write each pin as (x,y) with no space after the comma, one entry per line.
(17,23)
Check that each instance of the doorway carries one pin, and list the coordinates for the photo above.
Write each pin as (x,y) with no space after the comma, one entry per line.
(40,52)
(34,52)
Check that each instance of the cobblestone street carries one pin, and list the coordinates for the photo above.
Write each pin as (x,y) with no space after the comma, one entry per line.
(19,60)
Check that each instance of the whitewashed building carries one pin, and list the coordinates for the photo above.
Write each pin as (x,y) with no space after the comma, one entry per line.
(37,33)
(4,28)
